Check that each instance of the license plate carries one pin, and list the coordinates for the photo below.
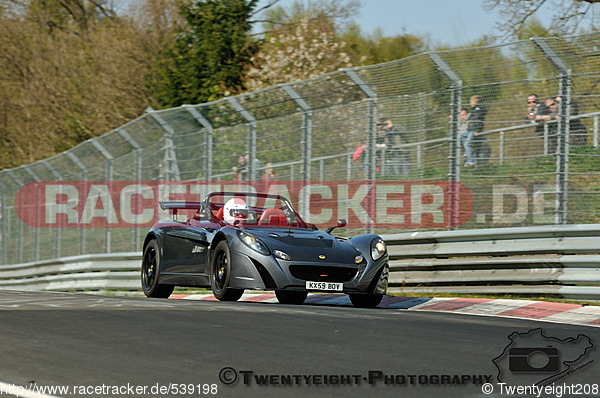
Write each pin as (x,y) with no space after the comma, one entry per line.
(338,287)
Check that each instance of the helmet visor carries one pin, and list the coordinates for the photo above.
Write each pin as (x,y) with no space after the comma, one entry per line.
(239,213)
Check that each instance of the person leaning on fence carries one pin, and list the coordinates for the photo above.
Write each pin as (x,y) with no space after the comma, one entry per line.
(270,174)
(243,169)
(535,113)
(481,149)
(577,130)
(551,120)
(462,125)
(466,139)
(474,129)
(398,159)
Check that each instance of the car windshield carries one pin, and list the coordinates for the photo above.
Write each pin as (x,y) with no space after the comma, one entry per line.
(250,210)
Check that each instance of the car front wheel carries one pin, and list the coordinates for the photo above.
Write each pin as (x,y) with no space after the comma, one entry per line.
(220,275)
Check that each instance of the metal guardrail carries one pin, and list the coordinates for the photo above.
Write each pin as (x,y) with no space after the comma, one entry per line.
(115,271)
(546,260)
(559,260)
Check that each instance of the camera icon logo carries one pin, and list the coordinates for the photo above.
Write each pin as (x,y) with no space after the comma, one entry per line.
(534,360)
(532,357)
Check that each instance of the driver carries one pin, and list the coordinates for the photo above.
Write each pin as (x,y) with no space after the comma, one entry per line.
(235,209)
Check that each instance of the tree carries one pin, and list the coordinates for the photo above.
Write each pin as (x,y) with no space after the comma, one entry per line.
(62,85)
(301,43)
(377,48)
(567,18)
(210,53)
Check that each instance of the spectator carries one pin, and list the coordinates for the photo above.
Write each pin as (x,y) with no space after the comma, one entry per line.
(388,139)
(577,130)
(479,146)
(474,128)
(463,123)
(269,173)
(243,171)
(551,121)
(535,113)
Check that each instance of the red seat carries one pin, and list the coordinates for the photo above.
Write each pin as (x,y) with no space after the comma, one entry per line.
(273,217)
(220,214)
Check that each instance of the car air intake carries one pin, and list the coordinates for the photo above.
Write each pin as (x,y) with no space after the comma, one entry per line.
(319,273)
(320,243)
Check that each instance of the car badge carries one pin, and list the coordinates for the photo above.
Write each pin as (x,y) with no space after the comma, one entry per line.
(322,256)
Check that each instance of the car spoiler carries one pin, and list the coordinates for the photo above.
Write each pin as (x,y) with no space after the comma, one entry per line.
(179,205)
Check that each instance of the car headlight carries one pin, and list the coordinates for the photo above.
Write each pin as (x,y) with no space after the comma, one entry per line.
(282,255)
(253,243)
(377,249)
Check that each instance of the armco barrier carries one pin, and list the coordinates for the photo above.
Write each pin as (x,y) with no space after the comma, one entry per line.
(115,271)
(557,260)
(561,260)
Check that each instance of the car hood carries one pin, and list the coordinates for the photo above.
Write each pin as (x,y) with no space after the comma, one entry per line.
(308,245)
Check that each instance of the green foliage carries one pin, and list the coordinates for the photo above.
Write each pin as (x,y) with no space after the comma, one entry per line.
(377,48)
(209,55)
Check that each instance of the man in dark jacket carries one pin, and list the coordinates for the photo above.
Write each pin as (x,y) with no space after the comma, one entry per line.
(480,148)
(536,113)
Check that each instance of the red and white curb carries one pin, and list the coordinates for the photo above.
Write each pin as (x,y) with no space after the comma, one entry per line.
(574,314)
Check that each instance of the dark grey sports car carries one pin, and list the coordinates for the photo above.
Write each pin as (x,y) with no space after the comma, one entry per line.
(237,241)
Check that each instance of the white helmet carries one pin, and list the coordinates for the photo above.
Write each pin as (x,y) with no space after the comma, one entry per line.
(235,209)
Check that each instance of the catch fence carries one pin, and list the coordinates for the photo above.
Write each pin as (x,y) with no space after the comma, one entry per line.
(328,128)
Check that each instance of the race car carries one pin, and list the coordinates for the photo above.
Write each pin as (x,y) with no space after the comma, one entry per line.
(236,241)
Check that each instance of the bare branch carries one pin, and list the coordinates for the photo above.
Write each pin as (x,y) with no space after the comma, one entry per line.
(271,4)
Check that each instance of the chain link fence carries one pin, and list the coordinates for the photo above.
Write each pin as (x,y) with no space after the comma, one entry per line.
(329,128)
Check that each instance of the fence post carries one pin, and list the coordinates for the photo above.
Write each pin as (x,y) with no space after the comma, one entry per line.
(3,232)
(109,177)
(545,139)
(84,171)
(596,132)
(371,139)
(454,173)
(137,176)
(208,132)
(172,168)
(562,161)
(501,155)
(19,183)
(306,143)
(251,135)
(36,230)
(58,231)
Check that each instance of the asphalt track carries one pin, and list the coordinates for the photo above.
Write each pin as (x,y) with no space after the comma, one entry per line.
(85,340)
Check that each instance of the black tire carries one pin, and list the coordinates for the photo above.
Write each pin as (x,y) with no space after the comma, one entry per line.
(220,274)
(150,273)
(366,300)
(290,296)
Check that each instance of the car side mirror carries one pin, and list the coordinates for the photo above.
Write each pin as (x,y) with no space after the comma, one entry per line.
(341,223)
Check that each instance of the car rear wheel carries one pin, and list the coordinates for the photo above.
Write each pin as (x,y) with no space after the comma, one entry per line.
(290,297)
(365,300)
(150,272)
(220,275)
